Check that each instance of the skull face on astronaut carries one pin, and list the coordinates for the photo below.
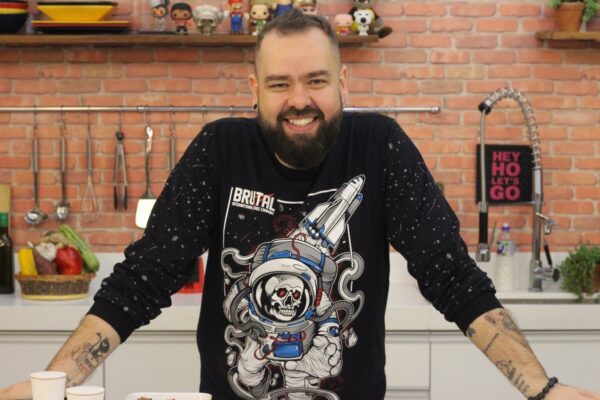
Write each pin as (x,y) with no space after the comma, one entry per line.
(283,297)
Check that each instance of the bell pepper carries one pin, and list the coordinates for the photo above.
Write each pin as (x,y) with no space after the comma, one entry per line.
(26,261)
(68,261)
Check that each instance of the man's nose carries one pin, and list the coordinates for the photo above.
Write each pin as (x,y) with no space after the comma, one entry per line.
(299,97)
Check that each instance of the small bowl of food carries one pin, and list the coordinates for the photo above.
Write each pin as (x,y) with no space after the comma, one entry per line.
(76,11)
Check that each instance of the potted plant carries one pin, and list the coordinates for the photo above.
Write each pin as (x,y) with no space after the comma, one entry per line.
(570,13)
(581,271)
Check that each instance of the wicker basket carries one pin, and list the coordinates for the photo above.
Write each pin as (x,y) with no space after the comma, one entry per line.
(54,287)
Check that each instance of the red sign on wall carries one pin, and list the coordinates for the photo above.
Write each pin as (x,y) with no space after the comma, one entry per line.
(508,174)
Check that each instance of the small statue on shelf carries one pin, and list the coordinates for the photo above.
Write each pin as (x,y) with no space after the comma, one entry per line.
(343,24)
(160,10)
(363,20)
(236,16)
(207,19)
(259,14)
(282,6)
(181,13)
(376,27)
(307,6)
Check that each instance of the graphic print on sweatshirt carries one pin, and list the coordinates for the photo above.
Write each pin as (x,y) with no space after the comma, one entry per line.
(290,303)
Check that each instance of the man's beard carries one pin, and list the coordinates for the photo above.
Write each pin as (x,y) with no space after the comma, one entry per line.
(301,151)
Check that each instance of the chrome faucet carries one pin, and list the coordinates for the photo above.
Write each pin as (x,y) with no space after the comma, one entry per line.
(537,273)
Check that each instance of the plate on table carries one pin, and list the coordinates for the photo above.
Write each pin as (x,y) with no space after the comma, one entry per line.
(167,396)
(113,26)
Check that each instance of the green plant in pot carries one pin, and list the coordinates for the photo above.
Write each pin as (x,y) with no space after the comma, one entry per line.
(581,271)
(570,13)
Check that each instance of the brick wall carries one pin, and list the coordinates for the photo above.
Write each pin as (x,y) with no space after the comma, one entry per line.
(449,54)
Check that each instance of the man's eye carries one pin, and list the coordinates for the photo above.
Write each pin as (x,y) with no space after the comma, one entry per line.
(318,82)
(278,85)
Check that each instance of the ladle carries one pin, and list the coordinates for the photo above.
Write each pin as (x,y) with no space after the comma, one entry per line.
(62,210)
(35,215)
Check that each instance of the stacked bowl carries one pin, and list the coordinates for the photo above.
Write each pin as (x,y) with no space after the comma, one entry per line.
(13,15)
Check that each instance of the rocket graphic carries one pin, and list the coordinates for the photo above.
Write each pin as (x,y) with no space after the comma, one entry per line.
(324,226)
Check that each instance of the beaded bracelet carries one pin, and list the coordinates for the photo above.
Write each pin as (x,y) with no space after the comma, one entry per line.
(541,395)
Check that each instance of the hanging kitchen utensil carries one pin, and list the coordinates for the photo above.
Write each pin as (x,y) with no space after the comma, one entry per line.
(35,215)
(89,204)
(121,165)
(62,210)
(146,202)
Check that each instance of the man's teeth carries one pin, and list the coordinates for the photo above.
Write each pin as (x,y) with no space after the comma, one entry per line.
(300,122)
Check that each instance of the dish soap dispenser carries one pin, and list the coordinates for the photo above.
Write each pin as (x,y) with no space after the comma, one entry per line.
(505,267)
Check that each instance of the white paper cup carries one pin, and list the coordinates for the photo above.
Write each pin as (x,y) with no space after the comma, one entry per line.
(85,393)
(48,385)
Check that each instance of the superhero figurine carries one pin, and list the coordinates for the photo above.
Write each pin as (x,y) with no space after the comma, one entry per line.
(160,9)
(181,13)
(236,16)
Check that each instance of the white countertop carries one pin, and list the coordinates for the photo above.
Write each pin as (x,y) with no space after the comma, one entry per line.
(407,310)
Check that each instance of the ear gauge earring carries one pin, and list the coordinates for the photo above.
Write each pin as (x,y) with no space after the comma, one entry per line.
(255,106)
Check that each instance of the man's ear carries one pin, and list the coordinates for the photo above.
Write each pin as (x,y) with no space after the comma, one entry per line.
(344,84)
(253,83)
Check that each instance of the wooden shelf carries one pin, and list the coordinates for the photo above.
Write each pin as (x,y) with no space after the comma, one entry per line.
(568,36)
(125,40)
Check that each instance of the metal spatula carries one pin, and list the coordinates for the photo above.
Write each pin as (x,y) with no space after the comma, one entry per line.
(146,202)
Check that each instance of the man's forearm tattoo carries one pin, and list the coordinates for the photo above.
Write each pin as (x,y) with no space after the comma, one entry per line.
(490,343)
(514,376)
(89,355)
(507,326)
(470,332)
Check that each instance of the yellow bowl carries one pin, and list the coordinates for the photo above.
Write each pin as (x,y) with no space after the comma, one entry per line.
(12,11)
(76,12)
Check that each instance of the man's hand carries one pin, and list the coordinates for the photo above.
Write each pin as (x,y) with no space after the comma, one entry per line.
(563,392)
(18,391)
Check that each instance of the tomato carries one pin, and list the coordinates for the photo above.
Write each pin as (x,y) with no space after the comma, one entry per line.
(68,261)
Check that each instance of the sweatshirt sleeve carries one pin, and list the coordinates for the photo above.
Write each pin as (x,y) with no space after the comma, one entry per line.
(163,259)
(421,225)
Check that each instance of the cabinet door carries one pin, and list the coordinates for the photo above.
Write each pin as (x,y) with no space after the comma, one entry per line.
(22,353)
(407,366)
(153,362)
(459,371)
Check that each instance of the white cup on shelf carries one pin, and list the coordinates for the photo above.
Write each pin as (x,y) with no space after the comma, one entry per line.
(48,385)
(85,393)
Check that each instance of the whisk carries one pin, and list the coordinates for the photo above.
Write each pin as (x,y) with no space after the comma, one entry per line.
(89,204)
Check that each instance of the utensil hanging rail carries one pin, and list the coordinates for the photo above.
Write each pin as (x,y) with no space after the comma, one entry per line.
(223,109)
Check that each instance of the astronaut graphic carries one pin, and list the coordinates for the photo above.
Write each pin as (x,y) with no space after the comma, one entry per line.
(290,305)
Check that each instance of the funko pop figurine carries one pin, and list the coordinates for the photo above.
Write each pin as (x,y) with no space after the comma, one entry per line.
(280,7)
(181,13)
(207,18)
(343,24)
(363,20)
(236,16)
(376,27)
(307,6)
(160,9)
(259,14)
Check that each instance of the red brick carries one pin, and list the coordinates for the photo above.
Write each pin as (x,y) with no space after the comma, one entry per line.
(423,72)
(557,73)
(520,10)
(592,73)
(43,55)
(450,25)
(146,70)
(169,85)
(484,86)
(557,193)
(494,57)
(78,86)
(450,57)
(195,70)
(574,178)
(553,102)
(424,9)
(408,26)
(497,25)
(573,207)
(375,71)
(235,71)
(19,71)
(438,147)
(360,55)
(178,55)
(591,237)
(586,133)
(109,70)
(556,162)
(588,163)
(513,71)
(214,86)
(472,10)
(87,56)
(537,24)
(405,56)
(573,117)
(132,55)
(28,86)
(465,72)
(222,55)
(587,192)
(524,40)
(475,41)
(440,87)
(388,9)
(535,86)
(581,57)
(589,102)
(396,87)
(4,86)
(129,85)
(430,41)
(9,56)
(576,88)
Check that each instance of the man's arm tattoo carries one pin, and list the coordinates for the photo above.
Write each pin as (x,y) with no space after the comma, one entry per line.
(514,376)
(90,355)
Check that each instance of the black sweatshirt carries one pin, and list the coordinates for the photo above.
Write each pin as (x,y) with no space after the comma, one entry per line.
(298,269)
